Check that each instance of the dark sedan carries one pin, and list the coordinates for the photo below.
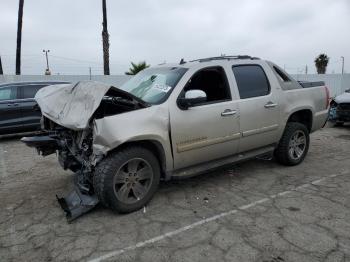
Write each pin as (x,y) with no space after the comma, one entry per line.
(18,110)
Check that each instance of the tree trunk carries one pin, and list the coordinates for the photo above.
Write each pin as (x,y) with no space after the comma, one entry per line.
(1,71)
(105,40)
(19,37)
(321,70)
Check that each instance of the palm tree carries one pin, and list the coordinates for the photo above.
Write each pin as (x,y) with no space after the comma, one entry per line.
(105,40)
(321,63)
(135,68)
(19,37)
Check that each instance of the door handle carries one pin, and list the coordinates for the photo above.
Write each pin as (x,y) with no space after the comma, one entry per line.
(229,112)
(270,105)
(15,104)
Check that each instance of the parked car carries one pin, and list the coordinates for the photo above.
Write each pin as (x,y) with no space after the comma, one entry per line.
(175,120)
(340,109)
(18,109)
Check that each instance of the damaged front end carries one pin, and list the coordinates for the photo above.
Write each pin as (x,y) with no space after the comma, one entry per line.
(70,134)
(74,153)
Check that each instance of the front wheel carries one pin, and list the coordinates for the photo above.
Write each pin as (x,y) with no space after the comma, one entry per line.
(293,145)
(126,180)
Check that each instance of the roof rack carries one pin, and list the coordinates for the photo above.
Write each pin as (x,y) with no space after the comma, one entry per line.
(226,58)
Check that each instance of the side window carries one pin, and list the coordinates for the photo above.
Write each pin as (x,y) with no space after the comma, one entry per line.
(213,82)
(282,76)
(8,93)
(251,81)
(30,91)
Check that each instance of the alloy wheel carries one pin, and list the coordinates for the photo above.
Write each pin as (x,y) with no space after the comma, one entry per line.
(297,145)
(133,180)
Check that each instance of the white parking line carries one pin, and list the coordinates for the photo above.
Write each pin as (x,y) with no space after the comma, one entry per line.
(3,170)
(207,220)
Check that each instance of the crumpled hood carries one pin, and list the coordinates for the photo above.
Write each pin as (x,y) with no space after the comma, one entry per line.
(72,105)
(343,98)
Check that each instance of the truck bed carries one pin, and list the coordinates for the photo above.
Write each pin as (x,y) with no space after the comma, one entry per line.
(306,84)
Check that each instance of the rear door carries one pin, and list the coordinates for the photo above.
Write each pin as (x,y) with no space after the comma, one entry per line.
(30,110)
(10,115)
(259,111)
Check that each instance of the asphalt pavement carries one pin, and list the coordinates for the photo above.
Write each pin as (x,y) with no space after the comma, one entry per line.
(254,211)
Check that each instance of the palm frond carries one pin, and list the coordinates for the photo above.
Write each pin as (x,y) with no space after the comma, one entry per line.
(135,68)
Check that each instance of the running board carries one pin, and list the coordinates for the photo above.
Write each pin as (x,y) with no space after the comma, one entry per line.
(204,168)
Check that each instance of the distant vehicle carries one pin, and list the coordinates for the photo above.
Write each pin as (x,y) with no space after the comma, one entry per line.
(174,120)
(18,110)
(340,109)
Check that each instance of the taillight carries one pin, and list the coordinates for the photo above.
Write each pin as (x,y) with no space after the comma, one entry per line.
(328,100)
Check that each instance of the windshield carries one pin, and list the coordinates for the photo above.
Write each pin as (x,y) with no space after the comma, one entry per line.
(154,85)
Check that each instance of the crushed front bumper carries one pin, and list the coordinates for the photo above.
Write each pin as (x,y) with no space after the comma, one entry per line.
(77,203)
(82,198)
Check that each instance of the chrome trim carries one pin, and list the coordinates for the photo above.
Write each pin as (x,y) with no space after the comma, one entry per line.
(18,100)
(270,105)
(186,146)
(228,112)
(260,130)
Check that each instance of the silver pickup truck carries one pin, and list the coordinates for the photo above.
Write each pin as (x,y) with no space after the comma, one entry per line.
(174,120)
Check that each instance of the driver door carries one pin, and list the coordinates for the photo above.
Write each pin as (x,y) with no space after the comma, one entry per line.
(208,130)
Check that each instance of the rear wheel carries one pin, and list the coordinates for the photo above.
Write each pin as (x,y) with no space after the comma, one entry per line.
(293,145)
(127,179)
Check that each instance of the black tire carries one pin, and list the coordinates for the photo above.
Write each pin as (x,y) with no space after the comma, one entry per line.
(282,152)
(106,173)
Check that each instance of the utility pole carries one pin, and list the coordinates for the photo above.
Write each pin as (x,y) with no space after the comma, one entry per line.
(1,71)
(47,71)
(306,70)
(19,37)
(105,40)
(90,72)
(342,65)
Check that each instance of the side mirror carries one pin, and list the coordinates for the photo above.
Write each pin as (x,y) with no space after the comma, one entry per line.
(192,97)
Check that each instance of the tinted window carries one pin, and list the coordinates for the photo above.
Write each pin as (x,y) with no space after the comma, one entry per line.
(30,91)
(251,81)
(8,93)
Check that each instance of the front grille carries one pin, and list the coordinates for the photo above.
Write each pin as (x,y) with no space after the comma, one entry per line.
(344,106)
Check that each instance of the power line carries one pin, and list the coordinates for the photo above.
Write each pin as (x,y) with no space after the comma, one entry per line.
(75,60)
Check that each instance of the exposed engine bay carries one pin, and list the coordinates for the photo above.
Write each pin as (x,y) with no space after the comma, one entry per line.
(74,146)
